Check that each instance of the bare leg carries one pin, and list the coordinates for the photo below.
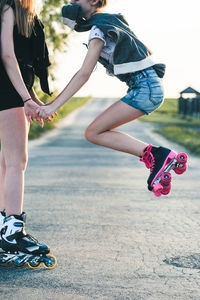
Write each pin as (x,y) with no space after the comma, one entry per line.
(101,132)
(13,133)
(2,180)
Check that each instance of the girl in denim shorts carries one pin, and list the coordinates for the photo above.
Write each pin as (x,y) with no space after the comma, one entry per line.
(117,48)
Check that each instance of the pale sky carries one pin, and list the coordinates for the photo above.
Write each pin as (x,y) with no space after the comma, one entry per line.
(170,28)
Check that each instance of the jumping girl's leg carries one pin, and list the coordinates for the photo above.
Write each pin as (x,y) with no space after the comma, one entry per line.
(13,134)
(101,132)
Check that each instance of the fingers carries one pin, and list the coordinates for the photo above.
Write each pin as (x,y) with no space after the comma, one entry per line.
(42,113)
(48,119)
(55,114)
(29,119)
(39,120)
(45,113)
(41,123)
(38,112)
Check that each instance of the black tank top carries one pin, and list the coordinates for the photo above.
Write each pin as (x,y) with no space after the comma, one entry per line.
(23,47)
(31,51)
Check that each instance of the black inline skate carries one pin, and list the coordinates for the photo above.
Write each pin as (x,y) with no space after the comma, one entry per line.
(20,248)
(2,217)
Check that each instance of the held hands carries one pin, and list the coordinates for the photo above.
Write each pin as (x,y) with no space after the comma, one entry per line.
(46,111)
(31,108)
(30,111)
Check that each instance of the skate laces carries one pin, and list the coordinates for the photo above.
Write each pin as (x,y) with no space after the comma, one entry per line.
(148,158)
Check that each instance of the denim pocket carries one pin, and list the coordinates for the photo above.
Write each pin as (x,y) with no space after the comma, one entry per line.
(156,92)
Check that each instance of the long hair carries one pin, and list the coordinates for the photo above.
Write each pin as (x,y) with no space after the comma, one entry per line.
(25,11)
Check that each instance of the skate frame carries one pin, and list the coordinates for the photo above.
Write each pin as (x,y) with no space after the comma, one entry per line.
(169,167)
(8,257)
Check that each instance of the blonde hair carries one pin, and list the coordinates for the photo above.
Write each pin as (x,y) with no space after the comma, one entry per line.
(25,11)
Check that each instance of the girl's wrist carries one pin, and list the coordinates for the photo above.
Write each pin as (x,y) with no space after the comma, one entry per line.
(54,106)
(26,100)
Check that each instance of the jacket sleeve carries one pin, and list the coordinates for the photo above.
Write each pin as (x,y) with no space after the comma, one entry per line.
(72,14)
(41,60)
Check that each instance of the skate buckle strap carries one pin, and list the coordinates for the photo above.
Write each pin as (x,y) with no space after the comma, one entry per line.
(31,238)
(148,158)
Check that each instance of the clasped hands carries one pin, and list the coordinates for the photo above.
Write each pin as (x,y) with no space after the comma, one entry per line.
(39,112)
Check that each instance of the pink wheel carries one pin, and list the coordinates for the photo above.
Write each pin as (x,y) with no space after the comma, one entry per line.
(166,178)
(181,158)
(165,192)
(166,189)
(157,188)
(180,170)
(157,194)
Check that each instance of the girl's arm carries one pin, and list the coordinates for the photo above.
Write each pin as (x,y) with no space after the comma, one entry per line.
(77,81)
(10,62)
(40,103)
(35,97)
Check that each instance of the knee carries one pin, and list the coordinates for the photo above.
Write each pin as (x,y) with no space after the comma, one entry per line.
(18,162)
(23,161)
(91,135)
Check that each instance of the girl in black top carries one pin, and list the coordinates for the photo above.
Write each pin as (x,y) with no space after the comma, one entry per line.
(23,53)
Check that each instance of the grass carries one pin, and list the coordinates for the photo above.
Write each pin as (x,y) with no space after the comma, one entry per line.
(182,130)
(168,114)
(189,138)
(36,130)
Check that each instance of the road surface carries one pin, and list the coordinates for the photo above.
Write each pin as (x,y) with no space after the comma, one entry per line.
(113,239)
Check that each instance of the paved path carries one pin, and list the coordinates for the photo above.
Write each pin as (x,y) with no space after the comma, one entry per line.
(113,239)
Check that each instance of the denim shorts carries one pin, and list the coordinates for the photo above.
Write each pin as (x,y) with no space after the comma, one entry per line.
(145,91)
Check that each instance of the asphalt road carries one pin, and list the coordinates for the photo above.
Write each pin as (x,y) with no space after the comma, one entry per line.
(113,239)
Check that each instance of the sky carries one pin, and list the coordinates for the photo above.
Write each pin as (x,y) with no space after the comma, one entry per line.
(170,28)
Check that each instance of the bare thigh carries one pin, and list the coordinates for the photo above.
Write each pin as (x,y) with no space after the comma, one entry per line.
(13,135)
(117,114)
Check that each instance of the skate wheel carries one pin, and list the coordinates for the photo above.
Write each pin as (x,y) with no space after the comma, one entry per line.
(49,261)
(4,262)
(181,158)
(17,263)
(34,262)
(180,170)
(166,178)
(166,192)
(166,189)
(157,194)
(157,188)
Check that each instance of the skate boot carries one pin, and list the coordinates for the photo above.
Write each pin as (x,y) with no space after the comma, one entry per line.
(161,161)
(2,217)
(21,248)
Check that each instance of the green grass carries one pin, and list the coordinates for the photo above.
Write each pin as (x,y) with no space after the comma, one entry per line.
(189,138)
(168,114)
(182,130)
(36,130)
